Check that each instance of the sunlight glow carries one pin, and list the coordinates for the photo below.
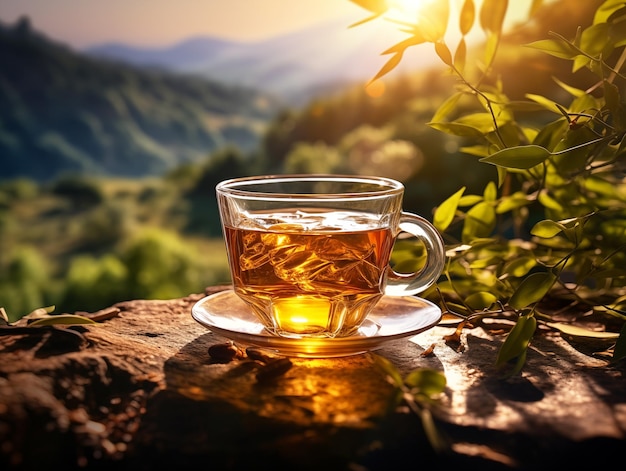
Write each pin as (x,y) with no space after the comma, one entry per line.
(375,89)
(407,9)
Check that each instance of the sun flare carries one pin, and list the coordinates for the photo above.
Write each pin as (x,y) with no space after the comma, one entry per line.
(407,10)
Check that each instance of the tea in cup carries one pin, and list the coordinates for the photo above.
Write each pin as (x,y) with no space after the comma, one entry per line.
(310,253)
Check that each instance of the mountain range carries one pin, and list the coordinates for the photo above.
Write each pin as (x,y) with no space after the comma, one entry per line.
(295,67)
(62,111)
(119,110)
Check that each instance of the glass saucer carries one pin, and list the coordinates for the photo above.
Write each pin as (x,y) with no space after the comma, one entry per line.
(393,318)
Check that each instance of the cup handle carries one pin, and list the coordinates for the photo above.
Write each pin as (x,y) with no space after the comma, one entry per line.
(408,284)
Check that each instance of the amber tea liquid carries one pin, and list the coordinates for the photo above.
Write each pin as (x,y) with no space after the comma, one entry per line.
(310,273)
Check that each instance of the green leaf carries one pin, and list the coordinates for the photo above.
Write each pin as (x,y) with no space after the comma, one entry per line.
(388,369)
(545,102)
(415,40)
(480,222)
(68,319)
(606,10)
(446,107)
(594,39)
(457,129)
(547,229)
(520,157)
(532,289)
(470,200)
(569,89)
(491,47)
(377,7)
(548,201)
(426,381)
(388,66)
(557,48)
(516,342)
(576,331)
(492,15)
(519,266)
(444,214)
(467,16)
(481,300)
(443,52)
(491,192)
(515,201)
(460,56)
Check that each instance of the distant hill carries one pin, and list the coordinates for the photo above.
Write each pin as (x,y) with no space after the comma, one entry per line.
(294,66)
(62,111)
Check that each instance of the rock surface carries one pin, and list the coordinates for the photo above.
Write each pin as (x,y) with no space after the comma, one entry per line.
(139,390)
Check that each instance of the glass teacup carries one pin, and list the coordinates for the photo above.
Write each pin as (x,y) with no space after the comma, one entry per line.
(310,253)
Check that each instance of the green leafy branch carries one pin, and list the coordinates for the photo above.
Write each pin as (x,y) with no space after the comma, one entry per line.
(419,390)
(553,226)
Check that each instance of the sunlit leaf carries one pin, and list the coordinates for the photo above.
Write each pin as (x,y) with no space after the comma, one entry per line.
(457,129)
(569,89)
(519,266)
(485,262)
(480,222)
(388,369)
(516,343)
(532,289)
(551,134)
(482,122)
(491,47)
(576,331)
(556,48)
(444,214)
(426,381)
(446,107)
(467,16)
(606,9)
(375,6)
(492,13)
(502,174)
(520,157)
(478,151)
(480,300)
(594,39)
(491,192)
(545,102)
(460,56)
(68,319)
(364,20)
(547,229)
(470,200)
(443,52)
(39,313)
(415,40)
(548,201)
(389,66)
(515,201)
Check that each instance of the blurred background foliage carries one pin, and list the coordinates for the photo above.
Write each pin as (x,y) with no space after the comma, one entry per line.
(108,172)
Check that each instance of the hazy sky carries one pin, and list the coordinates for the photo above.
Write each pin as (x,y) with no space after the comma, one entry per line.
(163,22)
(82,23)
